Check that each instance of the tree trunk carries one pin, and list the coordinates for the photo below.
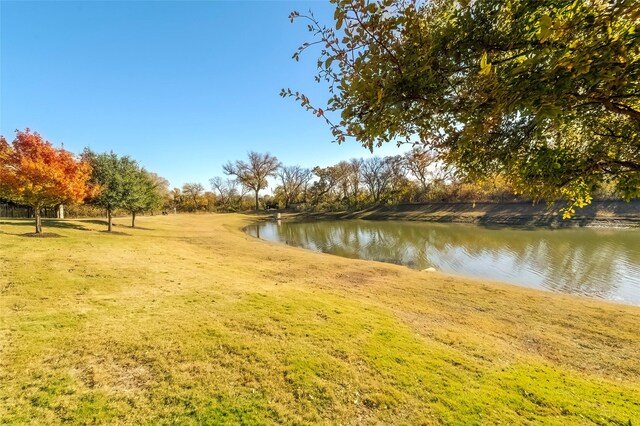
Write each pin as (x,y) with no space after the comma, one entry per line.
(36,211)
(257,203)
(133,219)
(109,219)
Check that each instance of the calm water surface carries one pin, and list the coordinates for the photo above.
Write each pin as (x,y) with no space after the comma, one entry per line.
(603,263)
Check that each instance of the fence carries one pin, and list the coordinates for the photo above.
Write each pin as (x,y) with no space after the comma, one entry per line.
(8,209)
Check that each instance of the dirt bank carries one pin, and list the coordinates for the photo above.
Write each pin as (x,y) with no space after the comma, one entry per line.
(599,213)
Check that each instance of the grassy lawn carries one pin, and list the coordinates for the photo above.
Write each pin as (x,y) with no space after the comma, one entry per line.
(187,320)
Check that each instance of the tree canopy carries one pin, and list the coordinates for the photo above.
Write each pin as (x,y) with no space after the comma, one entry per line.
(545,93)
(254,173)
(293,182)
(144,193)
(193,193)
(119,181)
(34,173)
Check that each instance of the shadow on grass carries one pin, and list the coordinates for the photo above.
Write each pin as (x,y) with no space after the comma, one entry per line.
(115,233)
(47,223)
(41,235)
(102,222)
(78,224)
(105,223)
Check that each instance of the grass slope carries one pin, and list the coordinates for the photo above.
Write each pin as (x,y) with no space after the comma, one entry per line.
(188,320)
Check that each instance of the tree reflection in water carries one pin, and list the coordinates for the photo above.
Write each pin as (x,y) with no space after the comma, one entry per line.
(596,262)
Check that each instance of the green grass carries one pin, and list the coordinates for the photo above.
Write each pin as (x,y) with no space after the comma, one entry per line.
(189,321)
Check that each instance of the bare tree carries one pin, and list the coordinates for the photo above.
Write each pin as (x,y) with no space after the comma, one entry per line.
(230,192)
(326,184)
(376,176)
(161,185)
(294,180)
(193,192)
(419,162)
(226,189)
(254,173)
(398,171)
(176,199)
(355,176)
(342,171)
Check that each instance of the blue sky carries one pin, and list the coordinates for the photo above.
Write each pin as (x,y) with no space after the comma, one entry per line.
(182,87)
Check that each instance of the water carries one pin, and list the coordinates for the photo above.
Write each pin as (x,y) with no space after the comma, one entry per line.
(603,263)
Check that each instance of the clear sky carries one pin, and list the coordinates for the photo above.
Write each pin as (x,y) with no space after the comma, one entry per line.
(182,87)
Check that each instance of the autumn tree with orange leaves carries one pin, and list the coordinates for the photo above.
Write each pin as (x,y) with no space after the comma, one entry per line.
(34,173)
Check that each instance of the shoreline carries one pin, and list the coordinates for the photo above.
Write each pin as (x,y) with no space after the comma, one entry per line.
(601,214)
(480,237)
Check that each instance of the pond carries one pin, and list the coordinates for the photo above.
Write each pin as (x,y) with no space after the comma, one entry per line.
(597,262)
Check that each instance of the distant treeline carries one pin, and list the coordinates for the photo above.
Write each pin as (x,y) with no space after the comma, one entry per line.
(123,188)
(413,177)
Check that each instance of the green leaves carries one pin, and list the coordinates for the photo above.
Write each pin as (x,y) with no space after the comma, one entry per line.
(493,86)
(545,28)
(485,68)
(338,16)
(123,183)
